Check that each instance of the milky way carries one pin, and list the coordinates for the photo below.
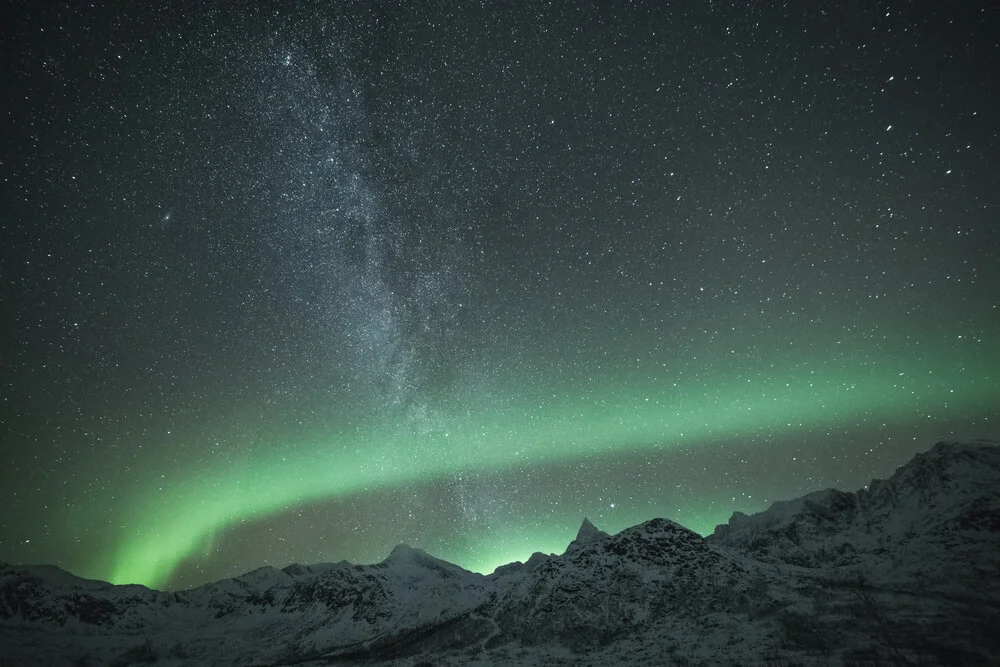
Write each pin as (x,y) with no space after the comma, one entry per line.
(301,284)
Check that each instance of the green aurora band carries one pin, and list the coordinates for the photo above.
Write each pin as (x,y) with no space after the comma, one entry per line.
(182,521)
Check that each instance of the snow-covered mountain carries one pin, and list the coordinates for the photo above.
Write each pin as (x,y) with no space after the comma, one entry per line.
(904,570)
(941,507)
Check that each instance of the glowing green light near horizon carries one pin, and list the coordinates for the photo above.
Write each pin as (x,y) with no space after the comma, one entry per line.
(182,521)
(551,534)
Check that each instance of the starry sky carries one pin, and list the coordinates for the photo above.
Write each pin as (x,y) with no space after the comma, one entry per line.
(299,282)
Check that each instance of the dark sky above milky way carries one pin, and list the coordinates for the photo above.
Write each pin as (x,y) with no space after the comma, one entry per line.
(299,282)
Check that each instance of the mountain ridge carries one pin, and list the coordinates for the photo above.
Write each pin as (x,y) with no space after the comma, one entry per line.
(853,575)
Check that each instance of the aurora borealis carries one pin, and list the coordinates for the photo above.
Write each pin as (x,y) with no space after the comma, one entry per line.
(296,284)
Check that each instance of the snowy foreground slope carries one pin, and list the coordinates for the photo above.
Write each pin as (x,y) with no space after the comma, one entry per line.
(905,571)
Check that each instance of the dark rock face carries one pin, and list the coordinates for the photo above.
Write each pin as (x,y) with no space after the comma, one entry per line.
(362,595)
(903,570)
(27,595)
(661,542)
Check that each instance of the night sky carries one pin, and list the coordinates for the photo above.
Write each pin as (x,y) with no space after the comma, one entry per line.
(301,282)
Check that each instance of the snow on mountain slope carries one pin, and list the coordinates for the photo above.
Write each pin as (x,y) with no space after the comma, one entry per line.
(901,571)
(942,506)
(608,586)
(266,615)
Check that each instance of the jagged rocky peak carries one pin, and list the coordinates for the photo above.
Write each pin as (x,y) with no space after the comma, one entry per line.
(950,463)
(953,486)
(533,562)
(958,454)
(779,512)
(736,521)
(589,532)
(970,467)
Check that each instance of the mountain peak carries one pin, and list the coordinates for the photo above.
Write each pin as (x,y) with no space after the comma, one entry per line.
(403,557)
(588,533)
(936,514)
(405,552)
(950,487)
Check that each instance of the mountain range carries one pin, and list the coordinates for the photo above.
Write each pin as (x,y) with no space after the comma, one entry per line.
(903,571)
